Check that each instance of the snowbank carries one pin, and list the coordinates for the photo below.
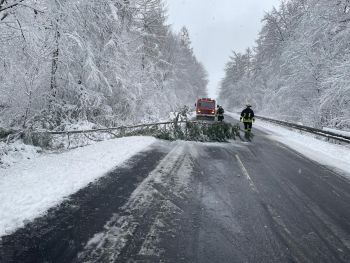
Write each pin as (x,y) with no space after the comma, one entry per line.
(29,189)
(16,152)
(329,154)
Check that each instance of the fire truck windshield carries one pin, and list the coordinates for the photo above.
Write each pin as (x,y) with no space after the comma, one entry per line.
(207,104)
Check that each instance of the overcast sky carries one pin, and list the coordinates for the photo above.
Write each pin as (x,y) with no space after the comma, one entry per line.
(217,27)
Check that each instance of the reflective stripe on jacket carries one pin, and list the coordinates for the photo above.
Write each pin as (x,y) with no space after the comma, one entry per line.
(247,115)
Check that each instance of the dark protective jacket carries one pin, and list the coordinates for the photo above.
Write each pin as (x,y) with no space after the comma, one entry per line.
(247,115)
(220,111)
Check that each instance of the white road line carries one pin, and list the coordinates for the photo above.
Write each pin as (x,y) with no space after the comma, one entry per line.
(245,172)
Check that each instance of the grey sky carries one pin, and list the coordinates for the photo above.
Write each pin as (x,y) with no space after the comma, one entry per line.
(217,27)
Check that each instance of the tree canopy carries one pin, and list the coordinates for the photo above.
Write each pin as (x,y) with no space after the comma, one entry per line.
(107,62)
(299,67)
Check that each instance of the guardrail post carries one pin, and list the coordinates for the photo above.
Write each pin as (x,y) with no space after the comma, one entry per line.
(68,140)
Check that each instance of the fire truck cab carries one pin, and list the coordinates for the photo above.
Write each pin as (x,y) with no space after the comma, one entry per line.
(205,109)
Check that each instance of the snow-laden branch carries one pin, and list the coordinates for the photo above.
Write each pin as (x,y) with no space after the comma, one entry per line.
(10,5)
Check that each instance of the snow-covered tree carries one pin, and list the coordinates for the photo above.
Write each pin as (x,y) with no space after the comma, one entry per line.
(106,62)
(299,67)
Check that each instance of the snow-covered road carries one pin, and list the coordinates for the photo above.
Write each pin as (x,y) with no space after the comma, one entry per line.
(336,156)
(198,202)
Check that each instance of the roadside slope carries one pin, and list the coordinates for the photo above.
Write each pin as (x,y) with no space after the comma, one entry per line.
(29,189)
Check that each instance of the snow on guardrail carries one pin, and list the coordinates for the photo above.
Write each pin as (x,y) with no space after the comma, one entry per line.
(339,132)
(324,133)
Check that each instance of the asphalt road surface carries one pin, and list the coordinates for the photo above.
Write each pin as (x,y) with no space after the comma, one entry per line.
(178,202)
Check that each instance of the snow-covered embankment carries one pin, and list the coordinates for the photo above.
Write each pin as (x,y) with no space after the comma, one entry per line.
(30,188)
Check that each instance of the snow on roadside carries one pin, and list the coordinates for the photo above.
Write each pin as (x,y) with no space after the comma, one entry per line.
(29,189)
(329,154)
(16,152)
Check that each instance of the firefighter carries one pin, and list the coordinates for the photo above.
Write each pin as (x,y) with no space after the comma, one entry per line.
(247,116)
(220,112)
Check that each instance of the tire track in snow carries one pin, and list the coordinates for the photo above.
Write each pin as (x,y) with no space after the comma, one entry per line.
(135,232)
(64,231)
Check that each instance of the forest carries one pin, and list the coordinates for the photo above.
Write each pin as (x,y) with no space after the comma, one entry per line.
(299,68)
(106,63)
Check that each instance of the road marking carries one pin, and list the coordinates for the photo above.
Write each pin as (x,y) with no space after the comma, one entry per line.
(245,172)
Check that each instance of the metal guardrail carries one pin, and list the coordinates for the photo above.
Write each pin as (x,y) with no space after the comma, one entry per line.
(121,127)
(13,134)
(17,133)
(114,131)
(327,134)
(105,129)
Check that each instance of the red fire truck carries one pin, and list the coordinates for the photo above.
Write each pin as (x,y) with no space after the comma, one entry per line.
(205,109)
